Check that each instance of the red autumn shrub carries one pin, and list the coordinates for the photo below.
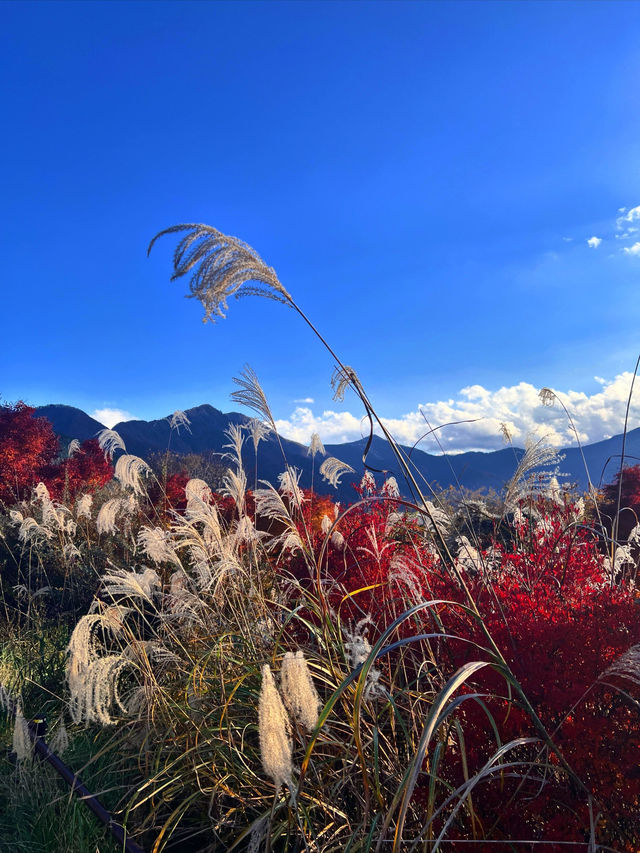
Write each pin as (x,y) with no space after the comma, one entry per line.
(27,446)
(629,502)
(86,471)
(543,595)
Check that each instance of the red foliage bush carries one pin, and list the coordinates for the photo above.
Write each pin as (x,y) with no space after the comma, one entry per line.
(27,446)
(548,606)
(86,471)
(629,502)
(28,455)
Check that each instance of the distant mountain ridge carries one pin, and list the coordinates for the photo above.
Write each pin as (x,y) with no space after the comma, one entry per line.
(473,470)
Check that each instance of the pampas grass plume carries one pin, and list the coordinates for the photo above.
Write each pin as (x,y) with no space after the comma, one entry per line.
(298,691)
(22,745)
(275,739)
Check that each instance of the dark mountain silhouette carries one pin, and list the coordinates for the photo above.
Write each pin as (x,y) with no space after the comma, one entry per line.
(69,422)
(473,470)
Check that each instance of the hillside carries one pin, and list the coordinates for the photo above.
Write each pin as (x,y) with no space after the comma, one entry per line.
(473,470)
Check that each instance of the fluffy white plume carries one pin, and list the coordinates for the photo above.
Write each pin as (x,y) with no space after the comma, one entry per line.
(83,506)
(130,470)
(298,690)
(368,483)
(390,487)
(289,480)
(316,446)
(110,441)
(357,650)
(197,489)
(107,515)
(73,448)
(269,504)
(332,469)
(22,744)
(60,741)
(31,531)
(122,583)
(83,651)
(157,545)
(276,748)
(235,487)
(179,419)
(236,436)
(337,540)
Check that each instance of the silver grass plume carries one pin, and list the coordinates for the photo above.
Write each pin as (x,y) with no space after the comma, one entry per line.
(60,741)
(82,652)
(31,531)
(235,487)
(623,557)
(236,436)
(220,267)
(129,472)
(627,665)
(73,448)
(547,396)
(537,454)
(342,378)
(179,419)
(437,519)
(22,744)
(252,396)
(258,430)
(332,469)
(390,487)
(468,559)
(316,446)
(337,540)
(289,485)
(144,585)
(298,690)
(368,482)
(55,516)
(83,506)
(276,748)
(402,573)
(506,432)
(107,515)
(110,441)
(270,504)
(357,650)
(246,530)
(41,493)
(197,489)
(157,545)
(101,690)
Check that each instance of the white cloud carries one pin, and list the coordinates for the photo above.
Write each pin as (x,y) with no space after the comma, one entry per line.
(631,215)
(594,242)
(632,250)
(111,417)
(568,239)
(475,415)
(305,400)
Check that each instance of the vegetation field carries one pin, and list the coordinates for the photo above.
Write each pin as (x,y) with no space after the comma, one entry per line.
(253,666)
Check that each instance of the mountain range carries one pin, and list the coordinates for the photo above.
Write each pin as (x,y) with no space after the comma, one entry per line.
(206,434)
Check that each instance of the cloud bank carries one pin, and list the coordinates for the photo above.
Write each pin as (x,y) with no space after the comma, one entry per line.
(111,417)
(473,419)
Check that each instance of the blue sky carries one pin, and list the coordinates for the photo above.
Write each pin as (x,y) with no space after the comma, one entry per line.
(423,176)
